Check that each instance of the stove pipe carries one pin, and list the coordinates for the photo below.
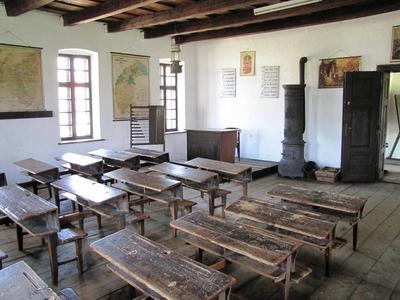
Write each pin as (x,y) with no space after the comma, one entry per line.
(292,162)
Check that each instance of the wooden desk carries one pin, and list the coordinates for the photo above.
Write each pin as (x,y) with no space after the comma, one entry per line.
(83,164)
(19,281)
(118,158)
(348,208)
(287,221)
(204,181)
(35,215)
(217,144)
(159,272)
(39,171)
(257,250)
(101,199)
(150,155)
(230,171)
(150,187)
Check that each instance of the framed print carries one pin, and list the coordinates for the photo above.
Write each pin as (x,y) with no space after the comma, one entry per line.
(247,63)
(331,70)
(227,83)
(131,83)
(395,53)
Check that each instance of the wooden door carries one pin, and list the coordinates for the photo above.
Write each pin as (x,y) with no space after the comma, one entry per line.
(383,124)
(361,126)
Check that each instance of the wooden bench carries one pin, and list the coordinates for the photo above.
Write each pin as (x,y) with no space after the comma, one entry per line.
(347,208)
(255,249)
(158,272)
(3,256)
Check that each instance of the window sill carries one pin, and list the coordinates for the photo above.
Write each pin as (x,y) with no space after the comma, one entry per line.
(80,141)
(175,132)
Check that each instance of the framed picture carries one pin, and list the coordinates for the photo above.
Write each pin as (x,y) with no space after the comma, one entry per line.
(395,53)
(247,63)
(331,70)
(131,83)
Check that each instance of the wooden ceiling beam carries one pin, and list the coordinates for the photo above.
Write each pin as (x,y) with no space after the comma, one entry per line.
(340,14)
(18,7)
(103,10)
(242,18)
(198,9)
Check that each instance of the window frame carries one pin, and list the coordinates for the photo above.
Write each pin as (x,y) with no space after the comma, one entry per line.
(164,88)
(72,85)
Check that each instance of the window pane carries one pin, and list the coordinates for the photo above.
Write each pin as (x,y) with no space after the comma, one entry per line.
(64,93)
(171,114)
(171,94)
(83,129)
(81,64)
(169,124)
(162,102)
(170,81)
(161,70)
(161,80)
(173,124)
(171,104)
(65,118)
(81,93)
(63,62)
(162,94)
(64,76)
(82,118)
(64,105)
(81,76)
(168,71)
(82,105)
(65,131)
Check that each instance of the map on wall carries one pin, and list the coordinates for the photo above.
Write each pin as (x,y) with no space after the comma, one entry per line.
(21,86)
(130,75)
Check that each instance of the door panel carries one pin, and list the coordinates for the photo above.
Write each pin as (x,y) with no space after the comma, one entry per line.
(361,116)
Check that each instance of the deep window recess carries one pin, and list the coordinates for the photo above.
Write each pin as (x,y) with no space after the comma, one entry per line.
(169,96)
(74,97)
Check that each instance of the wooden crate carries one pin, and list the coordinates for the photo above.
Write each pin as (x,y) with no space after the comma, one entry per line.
(327,174)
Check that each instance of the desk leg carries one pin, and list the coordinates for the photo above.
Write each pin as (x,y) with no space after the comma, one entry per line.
(287,277)
(327,261)
(355,234)
(211,203)
(81,220)
(20,237)
(52,247)
(244,184)
(57,198)
(222,296)
(174,212)
(35,187)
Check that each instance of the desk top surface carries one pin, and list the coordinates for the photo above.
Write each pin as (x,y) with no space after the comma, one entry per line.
(182,172)
(35,166)
(253,243)
(79,159)
(19,281)
(218,130)
(276,215)
(218,166)
(167,273)
(152,182)
(115,155)
(87,189)
(146,152)
(20,204)
(333,201)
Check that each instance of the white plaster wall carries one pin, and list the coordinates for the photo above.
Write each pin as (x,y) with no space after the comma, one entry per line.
(392,126)
(39,138)
(262,119)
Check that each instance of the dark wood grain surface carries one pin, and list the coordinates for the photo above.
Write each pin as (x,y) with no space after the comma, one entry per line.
(186,173)
(218,166)
(146,152)
(167,273)
(79,159)
(35,166)
(112,154)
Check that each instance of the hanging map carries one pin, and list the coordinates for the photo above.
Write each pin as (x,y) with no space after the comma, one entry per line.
(130,75)
(21,87)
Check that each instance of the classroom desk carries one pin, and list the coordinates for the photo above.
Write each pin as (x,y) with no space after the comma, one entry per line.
(287,221)
(230,171)
(35,215)
(119,159)
(82,164)
(201,180)
(19,281)
(150,155)
(41,172)
(347,208)
(254,249)
(159,272)
(155,188)
(101,199)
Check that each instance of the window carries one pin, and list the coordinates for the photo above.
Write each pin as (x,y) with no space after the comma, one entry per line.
(74,97)
(169,96)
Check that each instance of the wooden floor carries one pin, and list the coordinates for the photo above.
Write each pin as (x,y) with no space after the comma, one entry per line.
(373,272)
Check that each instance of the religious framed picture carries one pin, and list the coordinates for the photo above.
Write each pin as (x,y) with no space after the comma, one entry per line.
(395,53)
(331,70)
(131,83)
(247,63)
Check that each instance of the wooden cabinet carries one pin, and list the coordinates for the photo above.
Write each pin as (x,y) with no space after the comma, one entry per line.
(218,144)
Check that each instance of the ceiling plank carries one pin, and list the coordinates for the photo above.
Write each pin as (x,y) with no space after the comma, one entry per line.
(200,8)
(242,18)
(103,10)
(18,7)
(340,14)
